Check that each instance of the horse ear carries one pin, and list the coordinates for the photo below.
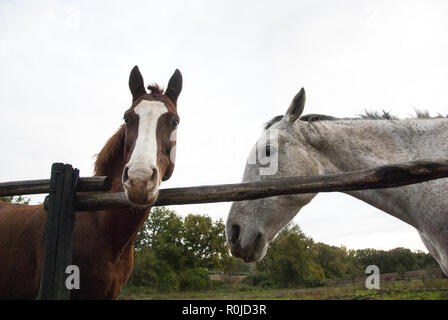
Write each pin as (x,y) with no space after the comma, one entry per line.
(136,84)
(174,86)
(296,107)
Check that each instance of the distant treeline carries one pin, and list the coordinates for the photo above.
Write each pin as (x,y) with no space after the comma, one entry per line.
(174,253)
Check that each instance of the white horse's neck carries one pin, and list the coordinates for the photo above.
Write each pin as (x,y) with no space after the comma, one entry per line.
(348,145)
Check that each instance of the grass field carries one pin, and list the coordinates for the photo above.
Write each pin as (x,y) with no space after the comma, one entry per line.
(416,289)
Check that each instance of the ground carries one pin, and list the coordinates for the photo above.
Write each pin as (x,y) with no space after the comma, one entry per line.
(415,289)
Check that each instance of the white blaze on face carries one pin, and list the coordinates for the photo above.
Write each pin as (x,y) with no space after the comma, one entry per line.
(144,155)
(173,137)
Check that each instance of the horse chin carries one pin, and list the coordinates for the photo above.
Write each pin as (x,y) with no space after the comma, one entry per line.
(255,256)
(142,201)
(258,254)
(251,254)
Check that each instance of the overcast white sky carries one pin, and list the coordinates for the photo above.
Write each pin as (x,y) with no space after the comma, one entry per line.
(64,68)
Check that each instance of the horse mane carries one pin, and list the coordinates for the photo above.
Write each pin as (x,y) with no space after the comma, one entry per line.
(107,157)
(367,115)
(271,122)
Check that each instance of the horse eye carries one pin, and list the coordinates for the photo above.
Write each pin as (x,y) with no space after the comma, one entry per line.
(126,120)
(174,123)
(268,151)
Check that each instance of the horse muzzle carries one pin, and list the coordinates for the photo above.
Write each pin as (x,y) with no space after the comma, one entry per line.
(249,245)
(141,185)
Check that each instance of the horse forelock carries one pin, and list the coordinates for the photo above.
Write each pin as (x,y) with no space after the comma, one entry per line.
(154,88)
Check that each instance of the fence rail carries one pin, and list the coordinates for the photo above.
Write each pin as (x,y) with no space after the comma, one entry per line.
(18,188)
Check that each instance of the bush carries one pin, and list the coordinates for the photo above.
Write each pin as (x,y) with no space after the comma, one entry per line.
(316,276)
(152,272)
(289,261)
(259,279)
(195,279)
(143,274)
(242,287)
(167,280)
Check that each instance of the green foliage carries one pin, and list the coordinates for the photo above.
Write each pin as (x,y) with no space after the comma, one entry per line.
(163,227)
(392,260)
(195,280)
(289,261)
(167,280)
(231,265)
(144,272)
(401,270)
(16,199)
(204,241)
(173,253)
(336,262)
(150,271)
(260,279)
(176,254)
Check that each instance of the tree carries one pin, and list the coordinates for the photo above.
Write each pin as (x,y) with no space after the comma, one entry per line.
(163,227)
(16,199)
(403,258)
(171,252)
(204,241)
(158,251)
(289,261)
(330,259)
(394,259)
(337,262)
(425,260)
(401,270)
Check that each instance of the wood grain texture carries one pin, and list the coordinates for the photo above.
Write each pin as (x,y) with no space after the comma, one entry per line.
(86,184)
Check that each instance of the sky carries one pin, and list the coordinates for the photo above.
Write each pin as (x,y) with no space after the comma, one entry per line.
(64,70)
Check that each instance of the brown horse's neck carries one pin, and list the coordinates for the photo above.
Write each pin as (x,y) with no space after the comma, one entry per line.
(121,225)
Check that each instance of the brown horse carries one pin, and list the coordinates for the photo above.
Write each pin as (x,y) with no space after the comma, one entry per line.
(137,158)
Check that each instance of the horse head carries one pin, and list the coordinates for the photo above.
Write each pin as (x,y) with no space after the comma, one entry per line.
(280,151)
(149,138)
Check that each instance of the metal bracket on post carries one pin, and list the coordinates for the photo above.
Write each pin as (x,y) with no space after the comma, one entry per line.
(60,206)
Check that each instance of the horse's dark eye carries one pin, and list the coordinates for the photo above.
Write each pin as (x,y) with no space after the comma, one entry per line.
(174,123)
(126,120)
(268,151)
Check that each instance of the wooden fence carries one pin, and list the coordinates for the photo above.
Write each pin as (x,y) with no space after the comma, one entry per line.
(63,201)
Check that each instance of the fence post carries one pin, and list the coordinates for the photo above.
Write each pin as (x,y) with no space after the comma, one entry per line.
(58,234)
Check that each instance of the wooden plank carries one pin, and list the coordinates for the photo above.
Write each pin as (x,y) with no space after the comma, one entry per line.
(51,231)
(58,234)
(96,183)
(66,224)
(380,177)
(16,188)
(85,184)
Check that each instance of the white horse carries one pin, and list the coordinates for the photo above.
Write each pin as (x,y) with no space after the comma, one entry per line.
(296,145)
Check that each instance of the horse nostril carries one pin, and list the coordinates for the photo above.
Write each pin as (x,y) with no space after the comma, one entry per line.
(154,176)
(258,238)
(235,234)
(125,175)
